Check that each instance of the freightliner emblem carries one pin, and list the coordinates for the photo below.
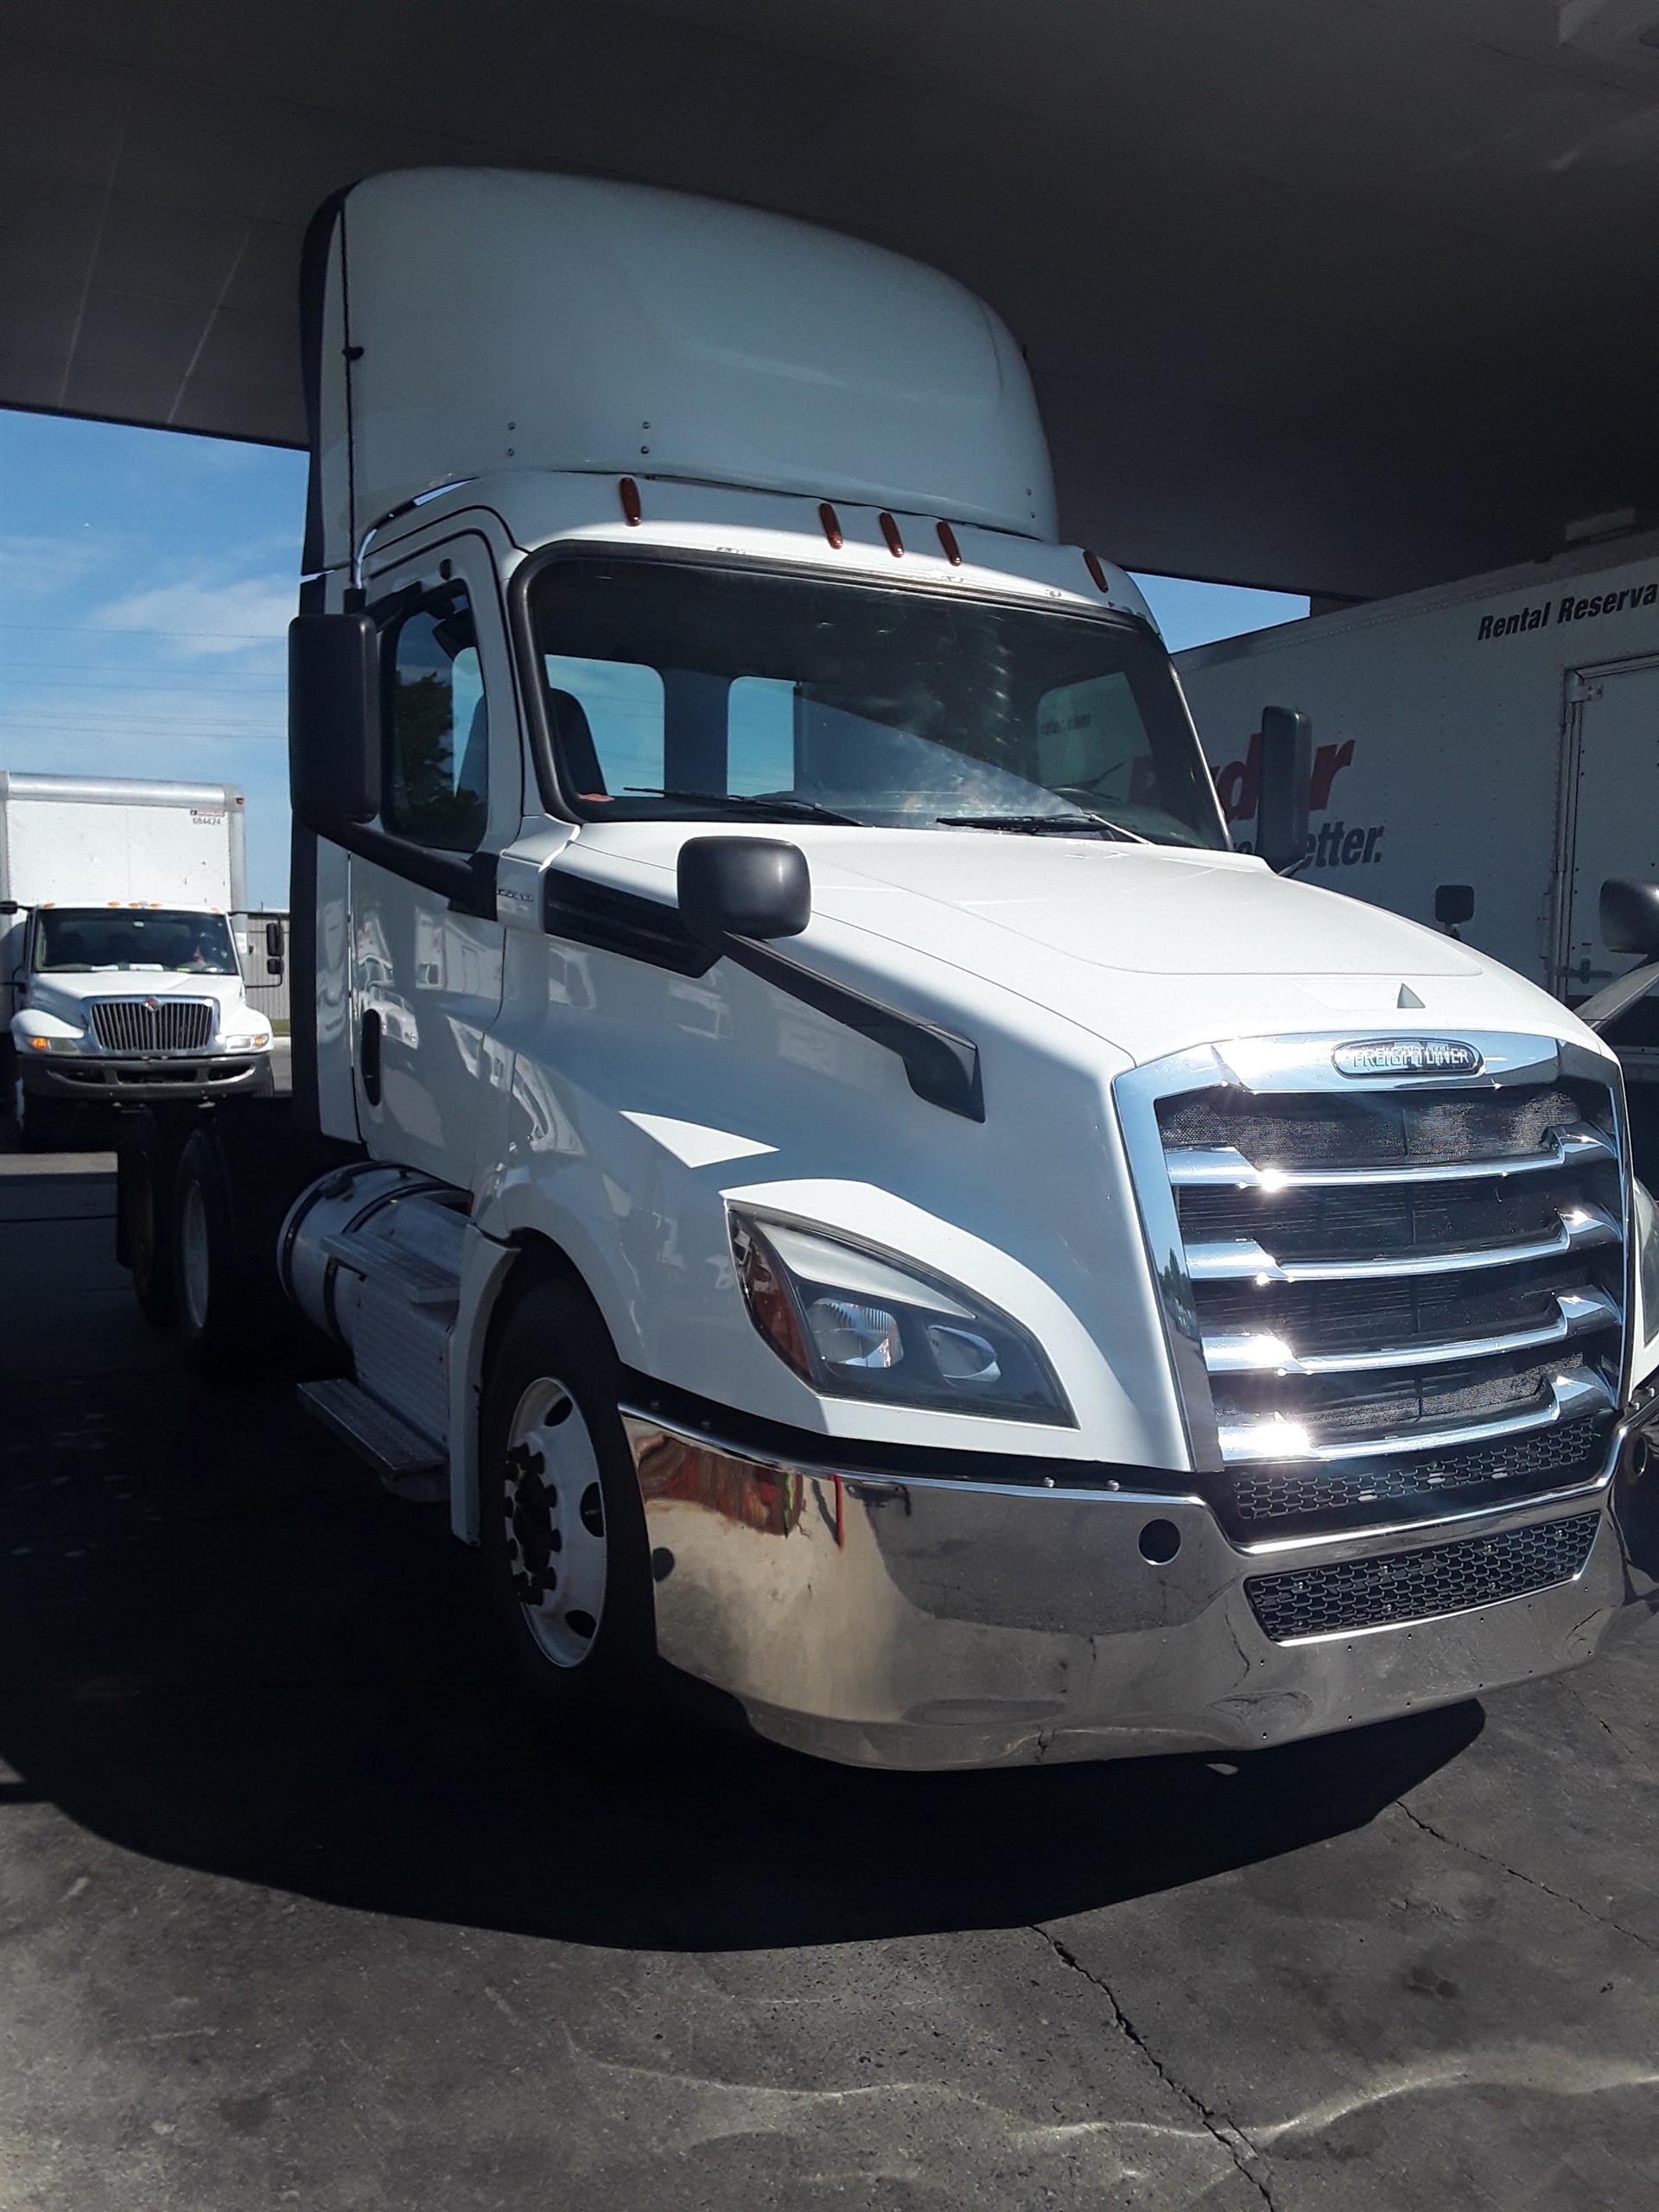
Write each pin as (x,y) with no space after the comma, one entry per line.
(1407,1056)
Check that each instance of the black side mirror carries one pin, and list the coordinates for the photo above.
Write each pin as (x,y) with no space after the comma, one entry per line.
(334,720)
(1454,904)
(9,907)
(1630,918)
(1286,769)
(744,887)
(274,940)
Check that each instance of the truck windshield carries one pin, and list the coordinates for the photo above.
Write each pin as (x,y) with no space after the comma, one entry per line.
(81,939)
(677,690)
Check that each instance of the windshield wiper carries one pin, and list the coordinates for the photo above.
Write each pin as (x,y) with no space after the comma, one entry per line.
(779,810)
(1044,826)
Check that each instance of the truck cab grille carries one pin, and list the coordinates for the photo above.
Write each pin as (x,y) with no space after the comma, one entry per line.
(1389,1298)
(153,1025)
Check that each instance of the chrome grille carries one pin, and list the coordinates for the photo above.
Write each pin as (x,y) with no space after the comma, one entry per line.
(157,1026)
(1393,1587)
(1547,1458)
(1384,1293)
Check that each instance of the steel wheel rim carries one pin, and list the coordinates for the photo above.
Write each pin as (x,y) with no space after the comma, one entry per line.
(193,1255)
(553,1512)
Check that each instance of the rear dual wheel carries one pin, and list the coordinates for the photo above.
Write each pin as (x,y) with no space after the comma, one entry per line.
(200,1199)
(210,1260)
(143,1207)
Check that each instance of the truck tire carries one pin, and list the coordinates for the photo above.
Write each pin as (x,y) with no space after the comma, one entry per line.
(209,1261)
(240,1169)
(566,1563)
(145,1160)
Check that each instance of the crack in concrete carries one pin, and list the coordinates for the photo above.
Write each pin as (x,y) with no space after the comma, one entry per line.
(1226,2133)
(1585,1706)
(1456,1843)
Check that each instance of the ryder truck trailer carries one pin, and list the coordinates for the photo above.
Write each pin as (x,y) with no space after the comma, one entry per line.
(804,1133)
(1500,735)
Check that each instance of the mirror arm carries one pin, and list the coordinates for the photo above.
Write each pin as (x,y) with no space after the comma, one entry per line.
(1597,1013)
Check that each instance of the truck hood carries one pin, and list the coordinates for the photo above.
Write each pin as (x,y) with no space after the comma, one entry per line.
(1148,910)
(1151,947)
(64,991)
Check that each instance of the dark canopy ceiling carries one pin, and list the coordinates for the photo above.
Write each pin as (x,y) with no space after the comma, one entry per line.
(1346,294)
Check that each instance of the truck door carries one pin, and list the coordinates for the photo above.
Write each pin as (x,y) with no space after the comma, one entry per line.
(426,978)
(1610,822)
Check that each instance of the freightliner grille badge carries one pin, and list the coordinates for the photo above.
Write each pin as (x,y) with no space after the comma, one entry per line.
(1375,1055)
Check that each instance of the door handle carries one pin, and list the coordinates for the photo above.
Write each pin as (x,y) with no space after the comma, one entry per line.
(368,1052)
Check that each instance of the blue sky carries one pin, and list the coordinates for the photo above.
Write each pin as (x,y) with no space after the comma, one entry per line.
(146,582)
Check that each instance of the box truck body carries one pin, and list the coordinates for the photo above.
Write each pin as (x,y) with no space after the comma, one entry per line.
(1501,733)
(804,1131)
(123,983)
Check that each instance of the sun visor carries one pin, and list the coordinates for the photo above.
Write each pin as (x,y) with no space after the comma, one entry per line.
(457,322)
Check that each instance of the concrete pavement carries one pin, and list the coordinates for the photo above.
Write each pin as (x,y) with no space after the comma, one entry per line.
(297,1907)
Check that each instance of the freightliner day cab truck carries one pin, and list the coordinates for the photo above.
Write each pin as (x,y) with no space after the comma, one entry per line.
(804,1132)
(118,966)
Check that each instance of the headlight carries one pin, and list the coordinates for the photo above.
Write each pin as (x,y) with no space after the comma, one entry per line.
(62,1037)
(855,1322)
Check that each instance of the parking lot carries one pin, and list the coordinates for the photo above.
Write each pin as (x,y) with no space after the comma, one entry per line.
(297,1907)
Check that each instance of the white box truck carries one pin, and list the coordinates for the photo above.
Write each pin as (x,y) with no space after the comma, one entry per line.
(118,959)
(804,1131)
(1488,748)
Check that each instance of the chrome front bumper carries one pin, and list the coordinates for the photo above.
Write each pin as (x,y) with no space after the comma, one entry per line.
(897,1622)
(91,1080)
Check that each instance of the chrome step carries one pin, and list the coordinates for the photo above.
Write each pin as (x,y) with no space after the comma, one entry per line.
(1278,1438)
(1258,1351)
(409,1463)
(1224,1168)
(1241,1259)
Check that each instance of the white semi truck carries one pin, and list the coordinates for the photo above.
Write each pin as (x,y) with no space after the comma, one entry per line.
(1488,755)
(804,1133)
(119,962)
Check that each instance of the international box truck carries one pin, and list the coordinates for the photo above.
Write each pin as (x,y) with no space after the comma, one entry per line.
(1488,755)
(804,1133)
(118,961)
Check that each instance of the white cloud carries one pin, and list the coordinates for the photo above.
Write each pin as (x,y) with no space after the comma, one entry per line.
(197,618)
(35,565)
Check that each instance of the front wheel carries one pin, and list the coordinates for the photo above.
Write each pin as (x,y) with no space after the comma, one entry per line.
(563,1531)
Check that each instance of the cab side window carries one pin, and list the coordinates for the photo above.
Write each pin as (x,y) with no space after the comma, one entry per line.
(437,735)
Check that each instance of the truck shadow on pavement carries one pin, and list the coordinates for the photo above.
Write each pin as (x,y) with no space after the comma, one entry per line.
(224,1650)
